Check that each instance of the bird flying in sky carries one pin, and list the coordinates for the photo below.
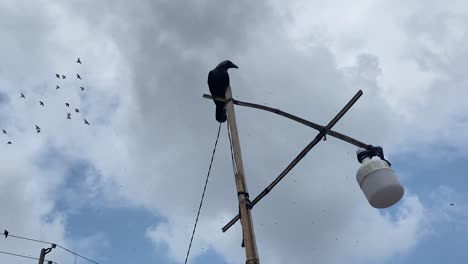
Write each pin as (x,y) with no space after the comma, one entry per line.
(57,87)
(67,104)
(68,116)
(4,132)
(38,129)
(41,103)
(76,110)
(218,81)
(9,142)
(57,75)
(22,95)
(82,88)
(78,61)
(78,76)
(63,76)
(86,122)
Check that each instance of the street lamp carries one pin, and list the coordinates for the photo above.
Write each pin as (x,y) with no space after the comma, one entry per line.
(375,177)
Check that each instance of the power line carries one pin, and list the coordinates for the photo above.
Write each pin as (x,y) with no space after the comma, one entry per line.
(59,246)
(76,254)
(203,194)
(22,256)
(30,239)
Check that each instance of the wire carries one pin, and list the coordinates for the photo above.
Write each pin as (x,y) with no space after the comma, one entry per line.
(203,194)
(30,239)
(18,255)
(46,242)
(76,254)
(234,167)
(22,256)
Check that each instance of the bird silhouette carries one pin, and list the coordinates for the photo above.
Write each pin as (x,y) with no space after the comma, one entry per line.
(68,116)
(86,122)
(22,95)
(82,88)
(67,104)
(76,110)
(57,75)
(218,81)
(452,204)
(4,132)
(63,76)
(78,76)
(41,103)
(57,87)
(5,233)
(78,61)
(38,129)
(9,143)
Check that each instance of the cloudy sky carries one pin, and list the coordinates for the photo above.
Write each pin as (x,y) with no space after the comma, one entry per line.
(126,188)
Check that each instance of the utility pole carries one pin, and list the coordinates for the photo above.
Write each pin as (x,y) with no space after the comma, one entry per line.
(44,252)
(248,234)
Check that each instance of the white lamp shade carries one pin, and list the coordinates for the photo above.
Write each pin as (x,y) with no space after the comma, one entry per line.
(379,183)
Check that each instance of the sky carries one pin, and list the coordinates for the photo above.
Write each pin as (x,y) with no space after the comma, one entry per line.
(125,189)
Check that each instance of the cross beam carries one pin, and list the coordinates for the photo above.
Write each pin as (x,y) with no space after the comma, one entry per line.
(323,130)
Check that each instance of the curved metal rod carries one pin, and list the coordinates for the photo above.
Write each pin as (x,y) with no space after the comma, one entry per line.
(313,125)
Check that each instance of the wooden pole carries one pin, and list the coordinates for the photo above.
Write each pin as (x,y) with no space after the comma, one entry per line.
(241,185)
(42,256)
(44,252)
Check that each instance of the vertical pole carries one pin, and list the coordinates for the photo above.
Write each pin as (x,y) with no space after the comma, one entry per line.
(42,256)
(244,202)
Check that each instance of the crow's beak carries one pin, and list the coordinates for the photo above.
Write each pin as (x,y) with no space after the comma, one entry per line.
(234,66)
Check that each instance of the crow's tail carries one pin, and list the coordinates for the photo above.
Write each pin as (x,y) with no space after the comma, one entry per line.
(220,113)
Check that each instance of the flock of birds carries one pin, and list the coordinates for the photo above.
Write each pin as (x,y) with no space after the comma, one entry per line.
(41,103)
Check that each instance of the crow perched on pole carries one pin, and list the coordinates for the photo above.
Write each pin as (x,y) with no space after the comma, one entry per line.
(218,81)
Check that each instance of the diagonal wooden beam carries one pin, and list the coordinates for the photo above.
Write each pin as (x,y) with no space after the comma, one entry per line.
(315,141)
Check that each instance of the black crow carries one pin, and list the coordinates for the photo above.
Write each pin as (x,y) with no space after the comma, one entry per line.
(63,76)
(82,88)
(78,76)
(68,116)
(57,87)
(86,122)
(4,132)
(78,61)
(57,75)
(67,104)
(9,142)
(41,103)
(38,129)
(22,95)
(76,110)
(5,233)
(218,81)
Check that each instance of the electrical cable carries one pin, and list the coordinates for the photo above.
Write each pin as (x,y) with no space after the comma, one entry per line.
(22,256)
(46,242)
(203,194)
